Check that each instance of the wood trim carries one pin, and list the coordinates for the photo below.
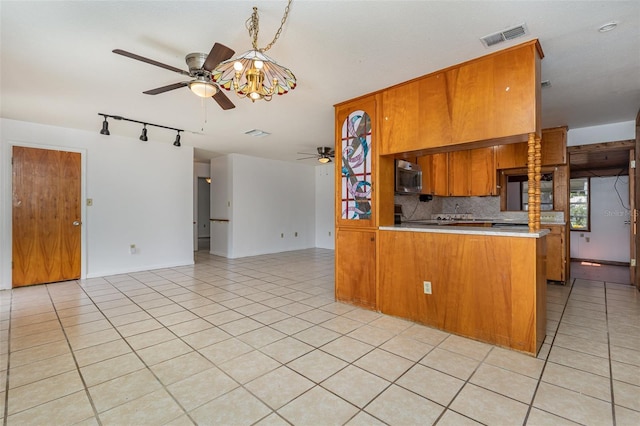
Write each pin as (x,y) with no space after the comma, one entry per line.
(602,146)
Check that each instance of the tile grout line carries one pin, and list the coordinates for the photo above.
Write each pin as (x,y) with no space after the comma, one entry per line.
(73,355)
(606,309)
(6,384)
(546,360)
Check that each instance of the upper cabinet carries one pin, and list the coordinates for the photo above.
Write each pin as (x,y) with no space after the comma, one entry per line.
(467,172)
(496,97)
(414,114)
(553,145)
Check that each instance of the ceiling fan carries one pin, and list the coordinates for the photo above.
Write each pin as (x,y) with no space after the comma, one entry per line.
(200,67)
(324,154)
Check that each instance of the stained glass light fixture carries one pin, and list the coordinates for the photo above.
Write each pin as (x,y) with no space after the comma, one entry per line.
(253,74)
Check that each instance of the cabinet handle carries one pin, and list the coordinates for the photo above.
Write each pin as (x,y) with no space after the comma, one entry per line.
(373,238)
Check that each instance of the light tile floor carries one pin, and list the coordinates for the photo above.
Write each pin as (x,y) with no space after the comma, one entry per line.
(260,340)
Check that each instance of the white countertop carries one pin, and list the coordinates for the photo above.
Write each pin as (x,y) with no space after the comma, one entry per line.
(512,231)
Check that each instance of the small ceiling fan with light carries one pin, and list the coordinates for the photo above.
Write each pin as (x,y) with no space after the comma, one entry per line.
(200,67)
(324,155)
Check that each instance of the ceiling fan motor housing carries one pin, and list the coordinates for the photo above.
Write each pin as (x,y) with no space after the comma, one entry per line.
(195,62)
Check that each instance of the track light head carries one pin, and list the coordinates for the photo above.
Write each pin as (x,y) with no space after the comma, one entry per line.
(105,127)
(177,142)
(143,136)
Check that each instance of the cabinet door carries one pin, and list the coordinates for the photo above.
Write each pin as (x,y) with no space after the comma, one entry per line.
(483,172)
(435,174)
(555,253)
(554,146)
(400,125)
(459,173)
(356,267)
(355,163)
(511,156)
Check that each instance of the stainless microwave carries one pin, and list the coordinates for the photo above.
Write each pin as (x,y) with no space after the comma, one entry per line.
(408,177)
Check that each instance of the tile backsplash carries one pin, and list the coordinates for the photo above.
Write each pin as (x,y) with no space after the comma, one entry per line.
(477,207)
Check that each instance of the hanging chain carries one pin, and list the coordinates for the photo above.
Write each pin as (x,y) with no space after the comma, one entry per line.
(253,27)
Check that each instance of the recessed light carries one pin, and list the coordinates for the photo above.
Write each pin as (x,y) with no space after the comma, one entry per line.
(608,27)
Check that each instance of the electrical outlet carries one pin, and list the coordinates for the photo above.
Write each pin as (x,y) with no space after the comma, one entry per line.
(281,235)
(132,249)
(329,233)
(427,287)
(295,234)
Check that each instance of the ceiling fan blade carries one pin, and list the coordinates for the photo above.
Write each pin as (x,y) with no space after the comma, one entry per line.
(306,158)
(219,52)
(166,88)
(222,100)
(149,61)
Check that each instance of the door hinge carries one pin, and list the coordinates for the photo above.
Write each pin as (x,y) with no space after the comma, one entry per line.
(633,164)
(633,262)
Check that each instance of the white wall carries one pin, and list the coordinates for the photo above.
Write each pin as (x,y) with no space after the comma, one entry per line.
(604,133)
(325,206)
(272,201)
(220,207)
(609,238)
(142,194)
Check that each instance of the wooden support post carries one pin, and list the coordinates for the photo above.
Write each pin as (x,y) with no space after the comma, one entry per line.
(537,177)
(531,171)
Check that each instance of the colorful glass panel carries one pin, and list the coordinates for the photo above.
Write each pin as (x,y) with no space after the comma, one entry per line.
(356,166)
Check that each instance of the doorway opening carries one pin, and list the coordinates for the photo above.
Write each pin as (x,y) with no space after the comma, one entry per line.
(204,208)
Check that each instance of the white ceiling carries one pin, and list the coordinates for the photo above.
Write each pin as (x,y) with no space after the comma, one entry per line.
(57,65)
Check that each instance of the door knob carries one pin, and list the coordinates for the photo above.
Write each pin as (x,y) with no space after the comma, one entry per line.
(76,223)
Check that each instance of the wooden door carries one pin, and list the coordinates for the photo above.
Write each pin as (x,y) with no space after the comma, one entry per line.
(46,216)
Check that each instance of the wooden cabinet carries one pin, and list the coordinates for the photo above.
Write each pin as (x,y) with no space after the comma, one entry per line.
(363,181)
(414,115)
(459,173)
(504,304)
(557,252)
(511,156)
(482,179)
(469,172)
(356,267)
(435,174)
(355,132)
(553,148)
(496,97)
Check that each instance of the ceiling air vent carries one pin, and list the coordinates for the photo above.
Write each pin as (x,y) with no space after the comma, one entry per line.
(508,34)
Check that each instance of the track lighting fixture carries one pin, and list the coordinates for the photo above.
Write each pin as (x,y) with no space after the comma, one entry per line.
(143,135)
(105,127)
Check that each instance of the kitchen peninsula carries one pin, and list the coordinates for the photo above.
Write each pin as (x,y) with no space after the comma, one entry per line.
(484,283)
